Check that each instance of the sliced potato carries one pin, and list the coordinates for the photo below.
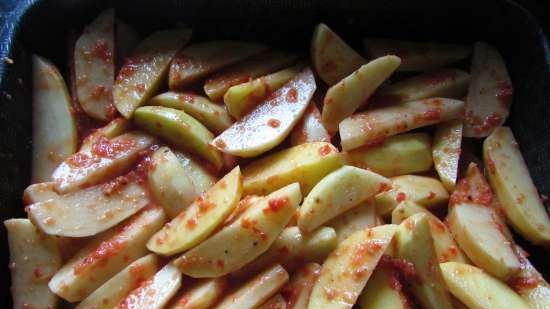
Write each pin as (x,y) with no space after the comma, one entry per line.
(269,123)
(509,177)
(200,176)
(530,284)
(113,129)
(310,129)
(338,192)
(201,218)
(39,192)
(446,152)
(275,302)
(472,188)
(142,74)
(202,296)
(54,132)
(306,164)
(376,125)
(300,286)
(358,218)
(34,258)
(383,291)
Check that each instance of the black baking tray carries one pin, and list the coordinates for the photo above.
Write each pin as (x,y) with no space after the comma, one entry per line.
(34,26)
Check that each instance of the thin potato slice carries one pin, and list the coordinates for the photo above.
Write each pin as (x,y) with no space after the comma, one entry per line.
(275,302)
(300,286)
(446,152)
(113,129)
(202,178)
(310,129)
(202,296)
(358,218)
(39,192)
(384,291)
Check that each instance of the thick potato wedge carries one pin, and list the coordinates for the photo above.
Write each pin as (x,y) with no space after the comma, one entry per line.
(202,178)
(201,218)
(201,296)
(376,125)
(113,129)
(269,123)
(338,192)
(310,129)
(446,152)
(179,129)
(243,240)
(384,291)
(54,132)
(126,40)
(358,218)
(472,188)
(509,177)
(39,192)
(490,92)
(476,289)
(298,290)
(34,258)
(529,283)
(306,164)
(275,302)
(332,57)
(346,271)
(398,155)
(342,99)
(108,254)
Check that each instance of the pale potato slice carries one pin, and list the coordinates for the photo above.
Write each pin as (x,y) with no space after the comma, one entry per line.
(34,258)
(346,271)
(342,99)
(476,289)
(446,152)
(509,177)
(199,60)
(384,291)
(243,240)
(202,178)
(376,125)
(306,164)
(529,283)
(39,192)
(211,115)
(195,223)
(269,123)
(169,183)
(107,159)
(256,290)
(275,302)
(144,71)
(310,129)
(202,296)
(490,92)
(338,192)
(94,65)
(119,286)
(301,284)
(358,218)
(179,129)
(332,57)
(472,188)
(113,129)
(126,40)
(417,56)
(398,155)
(54,132)
(89,211)
(106,255)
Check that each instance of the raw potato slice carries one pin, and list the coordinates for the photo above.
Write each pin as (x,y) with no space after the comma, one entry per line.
(202,296)
(476,289)
(89,211)
(383,291)
(39,192)
(472,188)
(257,290)
(202,179)
(338,192)
(490,92)
(243,240)
(34,258)
(275,302)
(358,218)
(113,129)
(397,155)
(300,286)
(241,99)
(169,183)
(310,129)
(107,159)
(104,257)
(211,115)
(54,133)
(155,292)
(118,287)
(269,123)
(376,125)
(126,40)
(530,284)
(306,164)
(346,271)
(514,188)
(342,99)
(94,65)
(446,152)
(417,56)
(332,57)
(143,73)
(201,218)
(179,129)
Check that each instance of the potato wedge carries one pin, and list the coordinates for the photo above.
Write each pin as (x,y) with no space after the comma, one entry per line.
(106,255)
(242,241)
(142,73)
(383,291)
(54,132)
(195,223)
(490,93)
(298,290)
(269,123)
(446,152)
(310,128)
(94,65)
(338,192)
(306,164)
(342,99)
(201,296)
(476,289)
(509,177)
(39,192)
(202,178)
(34,258)
(113,129)
(472,188)
(398,155)
(529,283)
(275,302)
(358,218)
(126,40)
(332,58)
(376,125)
(346,271)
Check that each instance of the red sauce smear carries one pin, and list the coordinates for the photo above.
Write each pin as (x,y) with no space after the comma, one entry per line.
(405,269)
(80,160)
(101,255)
(325,150)
(274,123)
(519,283)
(102,51)
(292,95)
(276,204)
(431,115)
(504,93)
(105,148)
(400,197)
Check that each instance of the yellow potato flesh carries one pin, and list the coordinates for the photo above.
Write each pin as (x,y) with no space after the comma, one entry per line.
(39,192)
(275,302)
(446,152)
(202,178)
(310,129)
(358,218)
(113,129)
(381,292)
(301,283)
(202,296)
